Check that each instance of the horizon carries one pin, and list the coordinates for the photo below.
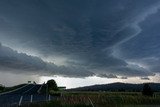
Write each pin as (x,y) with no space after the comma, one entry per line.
(70,83)
(79,43)
(81,86)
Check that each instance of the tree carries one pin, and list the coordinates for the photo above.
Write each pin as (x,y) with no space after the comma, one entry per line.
(147,91)
(2,88)
(52,85)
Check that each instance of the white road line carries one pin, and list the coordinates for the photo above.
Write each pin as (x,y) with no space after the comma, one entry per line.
(31,98)
(29,89)
(13,90)
(20,101)
(40,88)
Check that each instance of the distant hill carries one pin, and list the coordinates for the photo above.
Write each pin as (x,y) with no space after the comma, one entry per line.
(117,87)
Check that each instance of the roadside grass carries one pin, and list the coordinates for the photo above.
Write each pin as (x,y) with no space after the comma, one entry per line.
(101,99)
(54,103)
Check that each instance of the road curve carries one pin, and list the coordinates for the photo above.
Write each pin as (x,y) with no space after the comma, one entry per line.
(25,94)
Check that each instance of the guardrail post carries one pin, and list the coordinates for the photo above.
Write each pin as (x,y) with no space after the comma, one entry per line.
(49,97)
(20,101)
(31,98)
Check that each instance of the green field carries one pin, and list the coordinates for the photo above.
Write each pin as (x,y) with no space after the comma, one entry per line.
(102,99)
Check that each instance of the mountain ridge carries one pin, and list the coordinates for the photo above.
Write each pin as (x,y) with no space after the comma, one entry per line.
(118,86)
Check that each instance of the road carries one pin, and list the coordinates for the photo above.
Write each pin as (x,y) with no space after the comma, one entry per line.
(26,94)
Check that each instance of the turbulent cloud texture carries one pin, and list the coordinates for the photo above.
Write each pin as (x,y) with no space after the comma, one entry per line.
(81,38)
(13,61)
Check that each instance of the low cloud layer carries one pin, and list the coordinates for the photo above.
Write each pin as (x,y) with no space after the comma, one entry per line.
(145,78)
(15,62)
(107,76)
(80,38)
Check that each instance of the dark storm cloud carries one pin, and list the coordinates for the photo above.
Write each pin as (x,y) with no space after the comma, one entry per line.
(145,78)
(13,61)
(152,63)
(123,77)
(85,32)
(107,75)
(130,70)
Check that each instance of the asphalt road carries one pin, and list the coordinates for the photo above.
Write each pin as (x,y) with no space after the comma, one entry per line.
(26,94)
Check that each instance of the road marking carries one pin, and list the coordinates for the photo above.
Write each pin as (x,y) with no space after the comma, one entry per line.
(91,102)
(29,89)
(20,101)
(31,98)
(14,90)
(40,89)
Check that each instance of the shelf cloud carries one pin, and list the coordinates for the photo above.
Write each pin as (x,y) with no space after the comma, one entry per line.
(80,38)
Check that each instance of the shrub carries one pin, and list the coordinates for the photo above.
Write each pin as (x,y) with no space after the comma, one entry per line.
(52,85)
(147,91)
(2,88)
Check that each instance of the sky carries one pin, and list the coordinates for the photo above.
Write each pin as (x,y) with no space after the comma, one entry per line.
(79,42)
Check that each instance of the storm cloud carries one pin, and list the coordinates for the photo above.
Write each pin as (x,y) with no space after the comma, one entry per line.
(107,76)
(80,38)
(12,61)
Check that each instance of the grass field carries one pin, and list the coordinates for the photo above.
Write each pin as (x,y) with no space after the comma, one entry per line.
(102,99)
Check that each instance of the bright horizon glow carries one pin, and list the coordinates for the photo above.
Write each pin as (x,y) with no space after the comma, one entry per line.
(80,82)
(69,82)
